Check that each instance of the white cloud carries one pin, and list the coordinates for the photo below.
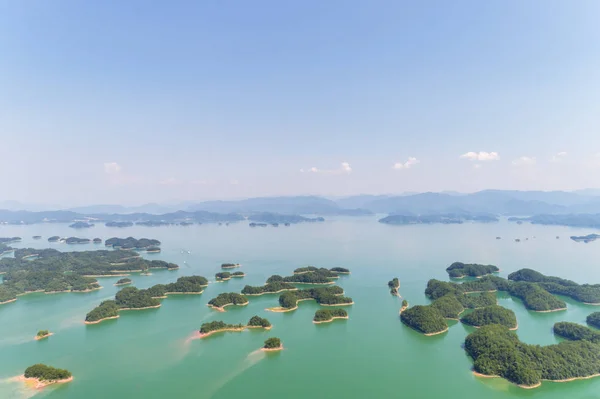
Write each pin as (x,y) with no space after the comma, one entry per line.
(344,168)
(559,156)
(524,161)
(481,156)
(112,167)
(410,162)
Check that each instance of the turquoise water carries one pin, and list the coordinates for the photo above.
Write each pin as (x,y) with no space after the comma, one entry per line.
(148,353)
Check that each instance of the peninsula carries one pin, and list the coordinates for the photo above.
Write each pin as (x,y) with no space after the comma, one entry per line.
(225,276)
(325,296)
(424,319)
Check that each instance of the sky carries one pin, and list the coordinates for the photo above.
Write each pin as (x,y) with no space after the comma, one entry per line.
(128,102)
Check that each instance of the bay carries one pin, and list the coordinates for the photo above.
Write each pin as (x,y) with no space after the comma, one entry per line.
(148,353)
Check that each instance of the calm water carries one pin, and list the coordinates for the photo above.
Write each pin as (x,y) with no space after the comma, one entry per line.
(147,354)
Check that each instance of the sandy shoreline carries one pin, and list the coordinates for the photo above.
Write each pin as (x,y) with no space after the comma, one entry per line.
(101,320)
(127,283)
(222,308)
(339,304)
(184,293)
(83,291)
(330,320)
(478,292)
(273,292)
(539,383)
(327,283)
(105,275)
(37,337)
(470,325)
(9,301)
(436,333)
(200,335)
(39,384)
(549,311)
(272,349)
(279,309)
(591,304)
(147,307)
(403,308)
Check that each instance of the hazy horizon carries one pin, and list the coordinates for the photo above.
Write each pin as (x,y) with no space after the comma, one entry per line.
(127,103)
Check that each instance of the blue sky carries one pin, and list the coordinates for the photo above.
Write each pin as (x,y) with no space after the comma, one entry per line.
(136,101)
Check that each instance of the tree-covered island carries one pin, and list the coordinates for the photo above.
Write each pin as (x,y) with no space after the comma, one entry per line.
(214,327)
(105,311)
(274,287)
(225,276)
(404,306)
(324,296)
(43,334)
(230,265)
(393,285)
(329,315)
(593,319)
(340,270)
(81,225)
(124,281)
(496,351)
(132,243)
(425,319)
(493,314)
(227,299)
(272,344)
(460,270)
(42,375)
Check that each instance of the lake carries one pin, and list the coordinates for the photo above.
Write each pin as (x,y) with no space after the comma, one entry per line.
(148,354)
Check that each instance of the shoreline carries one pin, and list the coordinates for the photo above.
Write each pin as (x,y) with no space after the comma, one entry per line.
(183,293)
(101,320)
(222,308)
(105,275)
(146,307)
(403,308)
(9,301)
(591,304)
(330,320)
(71,291)
(37,337)
(118,284)
(272,349)
(338,304)
(478,292)
(470,325)
(431,334)
(279,309)
(549,311)
(475,373)
(36,383)
(208,334)
(327,283)
(231,266)
(273,292)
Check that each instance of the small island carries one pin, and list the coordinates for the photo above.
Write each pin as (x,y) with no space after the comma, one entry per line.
(77,240)
(324,296)
(37,237)
(404,306)
(494,314)
(272,344)
(461,270)
(152,250)
(53,239)
(97,240)
(218,326)
(81,225)
(393,285)
(340,270)
(39,376)
(226,276)
(43,334)
(585,239)
(227,299)
(425,319)
(329,315)
(230,265)
(124,281)
(274,287)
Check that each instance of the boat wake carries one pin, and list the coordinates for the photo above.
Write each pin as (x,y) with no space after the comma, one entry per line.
(13,388)
(249,361)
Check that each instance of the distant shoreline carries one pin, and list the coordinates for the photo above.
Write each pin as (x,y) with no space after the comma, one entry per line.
(9,301)
(147,307)
(549,311)
(101,320)
(222,308)
(330,320)
(539,383)
(338,304)
(273,292)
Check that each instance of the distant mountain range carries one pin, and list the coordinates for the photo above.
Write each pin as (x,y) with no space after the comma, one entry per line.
(496,202)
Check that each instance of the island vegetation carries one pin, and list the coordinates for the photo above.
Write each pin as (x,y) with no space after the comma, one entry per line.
(37,237)
(8,240)
(425,319)
(230,265)
(442,218)
(269,288)
(494,314)
(585,239)
(259,322)
(225,276)
(97,240)
(272,344)
(576,332)
(496,351)
(593,319)
(81,225)
(118,224)
(123,281)
(45,375)
(132,243)
(325,296)
(311,269)
(404,306)
(328,315)
(460,270)
(226,299)
(42,334)
(314,277)
(213,327)
(340,270)
(53,239)
(77,240)
(134,298)
(393,285)
(105,311)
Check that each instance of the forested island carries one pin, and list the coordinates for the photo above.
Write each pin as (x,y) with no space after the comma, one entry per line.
(81,225)
(427,320)
(105,311)
(573,220)
(227,299)
(53,239)
(308,275)
(37,237)
(340,270)
(393,285)
(8,240)
(460,270)
(593,319)
(404,306)
(445,218)
(132,243)
(493,314)
(218,326)
(97,240)
(496,351)
(230,265)
(77,240)
(273,287)
(118,224)
(329,315)
(42,375)
(225,276)
(272,344)
(325,296)
(329,273)
(152,250)
(123,281)
(585,239)
(43,334)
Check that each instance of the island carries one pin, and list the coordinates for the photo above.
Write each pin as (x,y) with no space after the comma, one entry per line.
(123,281)
(404,306)
(77,240)
(424,319)
(311,269)
(118,224)
(340,270)
(153,223)
(132,243)
(460,270)
(37,237)
(226,276)
(97,240)
(393,285)
(53,239)
(585,239)
(442,218)
(593,319)
(218,326)
(312,277)
(494,314)
(324,296)
(40,375)
(8,240)
(43,334)
(152,250)
(576,332)
(274,287)
(227,299)
(276,218)
(272,344)
(329,315)
(573,220)
(498,352)
(230,265)
(81,225)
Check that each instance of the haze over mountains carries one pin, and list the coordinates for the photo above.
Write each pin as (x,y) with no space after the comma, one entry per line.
(500,202)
